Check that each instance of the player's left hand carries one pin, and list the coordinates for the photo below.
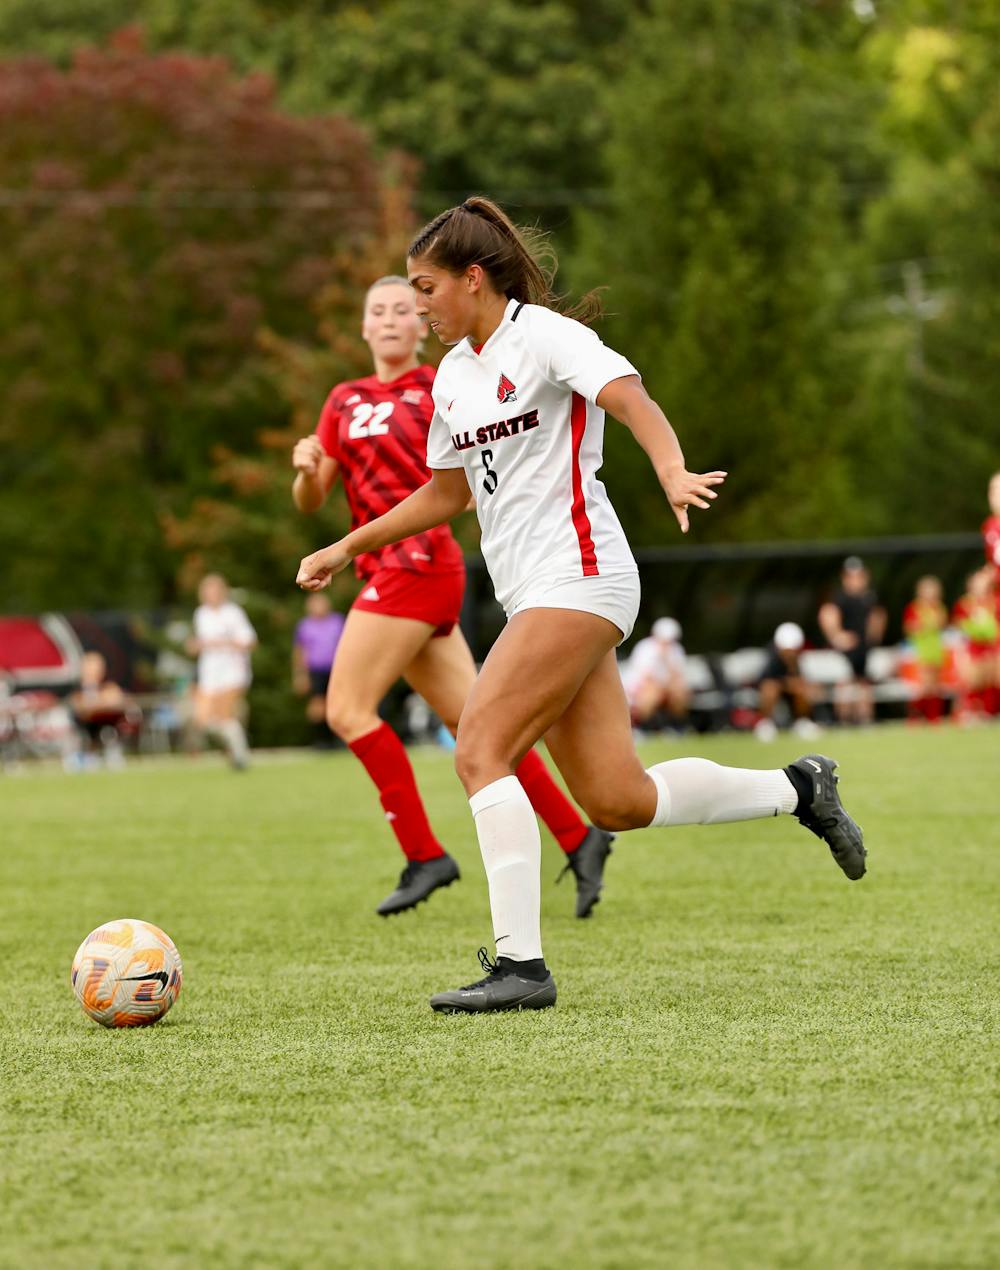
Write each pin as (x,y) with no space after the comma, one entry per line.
(316,570)
(690,489)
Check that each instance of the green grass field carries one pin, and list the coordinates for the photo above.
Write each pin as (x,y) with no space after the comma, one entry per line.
(753,1062)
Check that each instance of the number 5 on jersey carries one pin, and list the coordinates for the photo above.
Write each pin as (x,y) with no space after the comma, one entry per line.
(491,476)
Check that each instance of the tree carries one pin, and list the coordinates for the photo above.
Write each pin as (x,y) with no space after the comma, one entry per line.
(158,213)
(502,98)
(937,228)
(734,283)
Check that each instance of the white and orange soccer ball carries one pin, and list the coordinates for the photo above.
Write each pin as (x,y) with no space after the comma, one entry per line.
(127,973)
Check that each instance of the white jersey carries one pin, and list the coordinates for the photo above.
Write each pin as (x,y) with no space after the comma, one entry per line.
(652,659)
(222,668)
(520,417)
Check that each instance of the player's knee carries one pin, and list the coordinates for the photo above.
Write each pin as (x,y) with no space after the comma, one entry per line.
(469,762)
(348,720)
(476,760)
(614,810)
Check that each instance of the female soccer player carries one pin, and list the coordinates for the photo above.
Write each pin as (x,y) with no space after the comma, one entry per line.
(372,433)
(519,419)
(223,640)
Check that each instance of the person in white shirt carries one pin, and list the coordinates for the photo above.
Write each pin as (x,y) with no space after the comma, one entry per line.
(223,640)
(519,420)
(653,674)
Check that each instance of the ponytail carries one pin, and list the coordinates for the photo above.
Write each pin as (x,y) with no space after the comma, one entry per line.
(519,261)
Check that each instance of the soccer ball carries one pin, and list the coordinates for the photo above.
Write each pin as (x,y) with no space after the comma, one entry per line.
(127,973)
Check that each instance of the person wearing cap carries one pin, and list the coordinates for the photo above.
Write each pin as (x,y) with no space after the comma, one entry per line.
(782,679)
(853,622)
(653,675)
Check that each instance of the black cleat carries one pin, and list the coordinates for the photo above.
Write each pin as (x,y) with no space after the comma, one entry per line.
(825,815)
(587,865)
(502,989)
(417,881)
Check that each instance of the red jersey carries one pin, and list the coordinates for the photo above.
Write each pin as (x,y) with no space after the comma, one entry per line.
(991,541)
(378,435)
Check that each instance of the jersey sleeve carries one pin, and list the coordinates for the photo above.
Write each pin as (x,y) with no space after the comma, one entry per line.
(440,451)
(242,628)
(328,429)
(572,355)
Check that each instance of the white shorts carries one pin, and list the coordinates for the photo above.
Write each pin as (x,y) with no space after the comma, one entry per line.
(223,681)
(614,596)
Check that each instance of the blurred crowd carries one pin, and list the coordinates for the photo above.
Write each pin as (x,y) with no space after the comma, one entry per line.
(948,667)
(948,664)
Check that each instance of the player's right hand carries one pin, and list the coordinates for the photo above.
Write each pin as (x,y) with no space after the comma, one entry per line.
(316,570)
(307,455)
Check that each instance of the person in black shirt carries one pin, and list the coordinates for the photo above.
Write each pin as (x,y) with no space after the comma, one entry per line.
(853,622)
(782,679)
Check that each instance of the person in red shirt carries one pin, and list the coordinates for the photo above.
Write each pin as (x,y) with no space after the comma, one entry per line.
(991,527)
(924,620)
(975,614)
(372,434)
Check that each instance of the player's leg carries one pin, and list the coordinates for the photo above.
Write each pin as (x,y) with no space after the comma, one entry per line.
(229,707)
(644,699)
(577,701)
(443,673)
(373,652)
(768,695)
(532,672)
(216,714)
(688,791)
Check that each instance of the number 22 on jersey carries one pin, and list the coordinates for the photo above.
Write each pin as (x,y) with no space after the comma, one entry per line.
(370,421)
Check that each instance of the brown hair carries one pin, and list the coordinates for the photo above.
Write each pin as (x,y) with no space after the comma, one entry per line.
(518,260)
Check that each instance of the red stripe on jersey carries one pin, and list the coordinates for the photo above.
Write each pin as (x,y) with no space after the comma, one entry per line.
(581,521)
(365,504)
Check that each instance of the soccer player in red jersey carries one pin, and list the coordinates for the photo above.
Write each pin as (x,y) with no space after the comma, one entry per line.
(991,527)
(372,434)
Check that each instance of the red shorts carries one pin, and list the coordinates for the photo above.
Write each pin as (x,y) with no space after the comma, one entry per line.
(434,598)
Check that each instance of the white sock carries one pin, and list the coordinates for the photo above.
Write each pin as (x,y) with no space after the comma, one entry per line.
(235,740)
(695,791)
(512,853)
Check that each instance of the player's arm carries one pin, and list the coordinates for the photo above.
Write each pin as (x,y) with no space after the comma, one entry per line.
(628,401)
(440,500)
(315,474)
(832,625)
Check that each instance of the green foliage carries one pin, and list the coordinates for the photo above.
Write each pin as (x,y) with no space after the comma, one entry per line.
(733,278)
(940,213)
(500,98)
(158,213)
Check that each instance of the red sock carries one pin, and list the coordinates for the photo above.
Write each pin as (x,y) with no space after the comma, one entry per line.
(387,763)
(548,800)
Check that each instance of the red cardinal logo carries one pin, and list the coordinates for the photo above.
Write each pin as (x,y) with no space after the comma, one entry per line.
(506,390)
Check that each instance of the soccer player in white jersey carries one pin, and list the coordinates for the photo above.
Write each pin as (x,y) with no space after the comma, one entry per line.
(519,419)
(223,639)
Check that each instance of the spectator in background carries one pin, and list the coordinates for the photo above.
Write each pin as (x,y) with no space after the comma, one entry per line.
(924,620)
(991,527)
(782,680)
(978,656)
(102,714)
(316,638)
(223,640)
(854,622)
(654,679)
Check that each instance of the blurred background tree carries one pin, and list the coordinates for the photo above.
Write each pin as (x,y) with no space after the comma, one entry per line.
(157,213)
